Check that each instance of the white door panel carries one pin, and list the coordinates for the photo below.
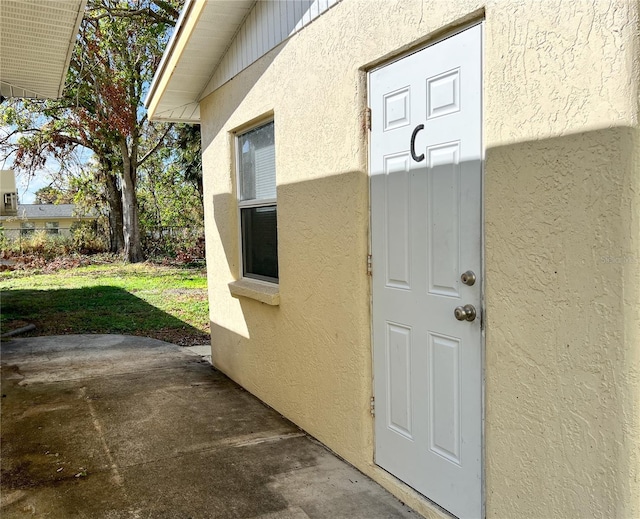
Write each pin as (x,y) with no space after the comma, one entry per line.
(425,232)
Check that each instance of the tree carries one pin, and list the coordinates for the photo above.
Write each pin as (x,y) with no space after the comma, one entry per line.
(53,195)
(170,183)
(189,154)
(119,46)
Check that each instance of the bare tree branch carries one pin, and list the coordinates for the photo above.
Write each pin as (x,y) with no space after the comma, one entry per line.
(158,144)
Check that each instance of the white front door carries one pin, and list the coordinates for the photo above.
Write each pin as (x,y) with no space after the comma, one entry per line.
(426,233)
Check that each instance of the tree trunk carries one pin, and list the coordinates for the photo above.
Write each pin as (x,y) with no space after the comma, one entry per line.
(132,246)
(114,199)
(200,187)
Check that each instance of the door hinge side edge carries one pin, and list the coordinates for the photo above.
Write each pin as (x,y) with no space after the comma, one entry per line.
(369,265)
(372,406)
(368,118)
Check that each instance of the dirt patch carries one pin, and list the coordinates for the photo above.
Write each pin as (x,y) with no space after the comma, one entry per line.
(178,337)
(174,336)
(35,263)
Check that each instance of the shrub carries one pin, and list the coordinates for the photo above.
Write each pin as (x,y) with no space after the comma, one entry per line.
(4,243)
(43,245)
(182,243)
(86,240)
(47,246)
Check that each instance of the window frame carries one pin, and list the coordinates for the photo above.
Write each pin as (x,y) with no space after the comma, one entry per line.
(252,204)
(27,228)
(52,227)
(10,201)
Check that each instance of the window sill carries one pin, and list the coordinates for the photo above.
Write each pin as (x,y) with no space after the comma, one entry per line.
(267,293)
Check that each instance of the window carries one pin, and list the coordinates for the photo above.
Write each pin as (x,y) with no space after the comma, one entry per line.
(257,203)
(52,227)
(10,201)
(27,228)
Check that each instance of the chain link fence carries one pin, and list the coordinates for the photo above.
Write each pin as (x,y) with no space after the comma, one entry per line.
(186,243)
(183,243)
(52,241)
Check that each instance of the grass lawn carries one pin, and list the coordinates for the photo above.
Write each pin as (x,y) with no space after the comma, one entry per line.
(168,303)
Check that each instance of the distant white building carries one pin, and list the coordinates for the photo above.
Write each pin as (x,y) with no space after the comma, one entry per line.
(54,219)
(8,193)
(23,219)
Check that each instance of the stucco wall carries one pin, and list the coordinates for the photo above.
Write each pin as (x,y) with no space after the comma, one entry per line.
(562,199)
(7,181)
(562,260)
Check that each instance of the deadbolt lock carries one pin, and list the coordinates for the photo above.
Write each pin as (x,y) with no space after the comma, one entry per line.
(468,278)
(465,313)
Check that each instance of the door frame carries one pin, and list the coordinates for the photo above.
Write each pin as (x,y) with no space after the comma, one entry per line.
(440,36)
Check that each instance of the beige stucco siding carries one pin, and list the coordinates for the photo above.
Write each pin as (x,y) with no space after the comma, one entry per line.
(7,181)
(562,260)
(561,371)
(562,248)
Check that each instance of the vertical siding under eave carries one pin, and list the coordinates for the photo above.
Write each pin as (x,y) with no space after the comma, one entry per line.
(268,24)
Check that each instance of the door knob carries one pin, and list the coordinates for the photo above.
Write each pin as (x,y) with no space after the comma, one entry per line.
(468,278)
(465,313)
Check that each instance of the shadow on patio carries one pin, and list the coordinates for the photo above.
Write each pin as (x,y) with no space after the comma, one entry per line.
(119,426)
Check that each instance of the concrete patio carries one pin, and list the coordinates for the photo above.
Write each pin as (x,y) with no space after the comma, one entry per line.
(116,426)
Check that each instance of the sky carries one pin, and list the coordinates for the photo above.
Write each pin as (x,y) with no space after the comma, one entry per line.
(27,186)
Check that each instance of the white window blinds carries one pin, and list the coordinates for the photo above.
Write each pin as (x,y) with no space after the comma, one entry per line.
(265,166)
(258,164)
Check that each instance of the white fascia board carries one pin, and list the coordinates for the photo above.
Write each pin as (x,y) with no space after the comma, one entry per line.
(181,34)
(194,36)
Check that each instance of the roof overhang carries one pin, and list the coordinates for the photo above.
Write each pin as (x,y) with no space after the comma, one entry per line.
(36,43)
(204,32)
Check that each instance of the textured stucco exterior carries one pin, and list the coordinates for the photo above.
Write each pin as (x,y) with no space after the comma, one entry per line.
(562,242)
